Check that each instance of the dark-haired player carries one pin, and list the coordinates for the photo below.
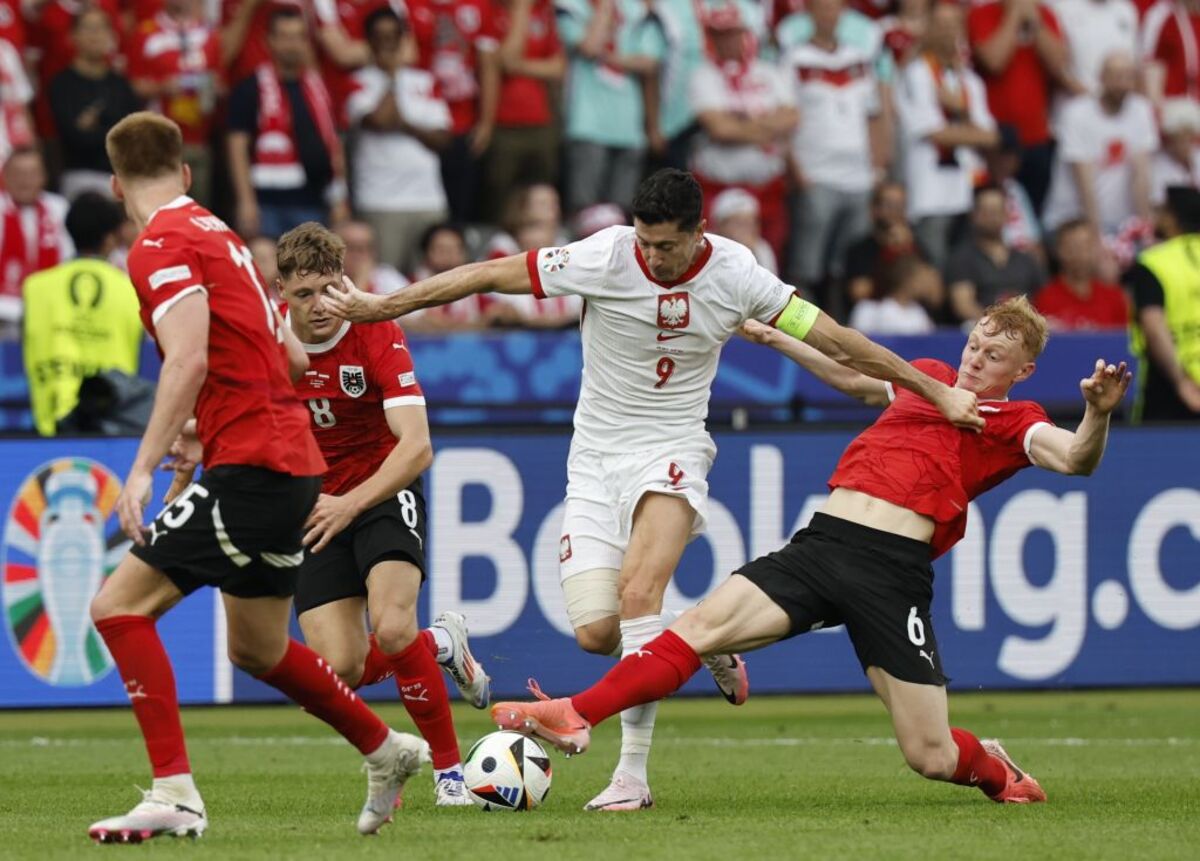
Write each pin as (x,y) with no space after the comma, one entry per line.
(662,298)
(367,532)
(239,528)
(898,499)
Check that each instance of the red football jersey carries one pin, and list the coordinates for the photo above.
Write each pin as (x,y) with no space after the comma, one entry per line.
(913,457)
(246,413)
(352,379)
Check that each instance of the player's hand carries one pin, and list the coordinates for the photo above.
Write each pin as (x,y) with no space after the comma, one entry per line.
(1189,393)
(961,407)
(757,332)
(350,303)
(1106,387)
(131,504)
(329,516)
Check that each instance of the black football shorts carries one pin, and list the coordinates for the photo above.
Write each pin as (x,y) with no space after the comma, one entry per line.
(879,585)
(393,530)
(238,528)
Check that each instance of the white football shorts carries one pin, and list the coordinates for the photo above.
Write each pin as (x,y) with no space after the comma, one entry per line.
(603,491)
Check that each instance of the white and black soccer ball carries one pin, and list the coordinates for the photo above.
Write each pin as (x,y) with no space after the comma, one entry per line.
(507,771)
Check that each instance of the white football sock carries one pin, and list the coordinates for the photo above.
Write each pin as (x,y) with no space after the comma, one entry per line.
(637,723)
(445,644)
(180,789)
(668,619)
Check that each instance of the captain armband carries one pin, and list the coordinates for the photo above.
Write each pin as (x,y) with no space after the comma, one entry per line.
(797,318)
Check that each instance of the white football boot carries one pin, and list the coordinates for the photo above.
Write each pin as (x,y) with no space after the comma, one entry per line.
(451,791)
(473,683)
(625,792)
(386,781)
(154,816)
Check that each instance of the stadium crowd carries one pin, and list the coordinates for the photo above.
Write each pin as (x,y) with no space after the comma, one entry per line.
(904,162)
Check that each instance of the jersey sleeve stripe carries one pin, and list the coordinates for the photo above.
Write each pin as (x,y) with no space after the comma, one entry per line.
(170,275)
(535,278)
(404,401)
(161,310)
(1033,428)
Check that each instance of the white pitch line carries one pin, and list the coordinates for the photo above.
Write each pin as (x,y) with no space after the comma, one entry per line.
(676,741)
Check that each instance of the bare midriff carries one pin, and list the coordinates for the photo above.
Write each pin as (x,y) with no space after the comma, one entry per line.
(866,510)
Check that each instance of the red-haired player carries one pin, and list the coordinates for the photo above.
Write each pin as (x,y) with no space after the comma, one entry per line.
(899,499)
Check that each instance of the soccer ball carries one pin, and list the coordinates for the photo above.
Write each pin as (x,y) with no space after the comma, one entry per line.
(507,771)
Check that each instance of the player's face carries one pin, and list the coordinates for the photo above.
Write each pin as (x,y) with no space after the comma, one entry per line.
(305,297)
(667,250)
(992,362)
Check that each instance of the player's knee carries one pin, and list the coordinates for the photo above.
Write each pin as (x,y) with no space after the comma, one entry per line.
(598,638)
(251,660)
(395,630)
(102,606)
(348,668)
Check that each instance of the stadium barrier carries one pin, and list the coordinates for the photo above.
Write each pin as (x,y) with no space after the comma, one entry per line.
(1059,581)
(533,377)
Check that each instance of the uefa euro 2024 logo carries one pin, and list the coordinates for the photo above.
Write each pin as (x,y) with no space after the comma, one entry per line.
(59,545)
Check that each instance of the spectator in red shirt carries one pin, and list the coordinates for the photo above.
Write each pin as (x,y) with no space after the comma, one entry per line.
(1077,299)
(174,59)
(1020,53)
(1171,49)
(525,142)
(244,25)
(455,41)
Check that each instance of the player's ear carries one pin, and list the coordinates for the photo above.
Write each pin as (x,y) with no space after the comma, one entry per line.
(187,177)
(1025,373)
(115,185)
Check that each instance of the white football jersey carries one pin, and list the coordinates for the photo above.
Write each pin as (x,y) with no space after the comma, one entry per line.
(650,348)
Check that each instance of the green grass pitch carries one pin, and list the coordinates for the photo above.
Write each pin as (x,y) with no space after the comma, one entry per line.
(781,777)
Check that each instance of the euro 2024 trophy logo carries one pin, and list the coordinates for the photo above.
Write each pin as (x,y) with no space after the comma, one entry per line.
(59,546)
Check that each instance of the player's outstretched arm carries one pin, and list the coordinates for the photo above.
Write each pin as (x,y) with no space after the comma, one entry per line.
(506,275)
(851,348)
(848,381)
(412,455)
(183,337)
(1079,453)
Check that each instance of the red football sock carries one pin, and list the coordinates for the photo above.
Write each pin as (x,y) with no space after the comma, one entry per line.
(977,767)
(150,685)
(377,668)
(306,679)
(423,692)
(658,669)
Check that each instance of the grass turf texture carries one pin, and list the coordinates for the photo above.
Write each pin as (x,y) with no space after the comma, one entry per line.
(778,777)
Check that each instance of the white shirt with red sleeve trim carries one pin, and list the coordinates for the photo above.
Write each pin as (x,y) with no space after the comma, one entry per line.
(651,347)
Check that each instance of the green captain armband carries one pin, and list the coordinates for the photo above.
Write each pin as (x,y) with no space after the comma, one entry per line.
(797,318)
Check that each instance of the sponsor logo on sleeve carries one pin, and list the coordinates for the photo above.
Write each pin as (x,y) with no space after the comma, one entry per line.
(408,378)
(553,260)
(170,275)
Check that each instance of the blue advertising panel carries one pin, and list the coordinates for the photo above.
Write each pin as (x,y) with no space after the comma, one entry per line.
(1058,582)
(533,377)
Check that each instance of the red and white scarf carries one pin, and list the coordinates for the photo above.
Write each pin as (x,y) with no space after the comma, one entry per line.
(276,156)
(21,257)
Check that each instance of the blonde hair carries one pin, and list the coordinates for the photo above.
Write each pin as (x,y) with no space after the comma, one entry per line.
(1019,319)
(309,248)
(144,145)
